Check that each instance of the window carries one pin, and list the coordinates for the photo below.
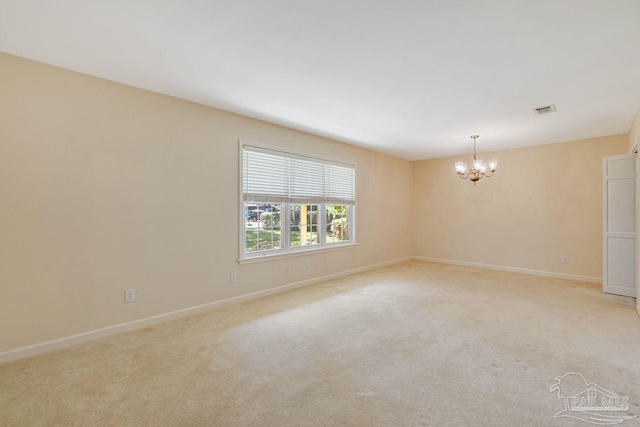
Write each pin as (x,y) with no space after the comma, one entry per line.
(293,202)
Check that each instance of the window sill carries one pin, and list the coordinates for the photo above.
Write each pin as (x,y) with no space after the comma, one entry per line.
(294,253)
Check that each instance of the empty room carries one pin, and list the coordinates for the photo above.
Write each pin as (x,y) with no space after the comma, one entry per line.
(279,213)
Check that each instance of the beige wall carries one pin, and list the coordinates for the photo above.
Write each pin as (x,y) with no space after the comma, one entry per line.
(105,187)
(634,133)
(543,202)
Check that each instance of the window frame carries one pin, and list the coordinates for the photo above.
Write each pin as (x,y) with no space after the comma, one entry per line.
(285,218)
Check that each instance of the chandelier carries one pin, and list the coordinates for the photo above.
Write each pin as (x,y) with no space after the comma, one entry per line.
(479,169)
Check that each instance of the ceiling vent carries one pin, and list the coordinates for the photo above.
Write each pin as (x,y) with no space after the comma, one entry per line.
(544,110)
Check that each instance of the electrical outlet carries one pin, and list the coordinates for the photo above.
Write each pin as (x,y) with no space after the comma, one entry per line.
(233,277)
(129,295)
(307,263)
(447,248)
(564,259)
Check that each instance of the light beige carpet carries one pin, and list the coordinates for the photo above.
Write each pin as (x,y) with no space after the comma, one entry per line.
(412,344)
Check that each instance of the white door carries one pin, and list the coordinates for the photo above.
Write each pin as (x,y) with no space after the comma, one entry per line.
(620,233)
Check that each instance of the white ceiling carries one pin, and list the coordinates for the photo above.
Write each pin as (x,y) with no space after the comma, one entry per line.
(409,78)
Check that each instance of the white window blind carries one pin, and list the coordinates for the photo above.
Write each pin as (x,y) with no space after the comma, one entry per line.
(279,176)
(265,175)
(307,179)
(340,183)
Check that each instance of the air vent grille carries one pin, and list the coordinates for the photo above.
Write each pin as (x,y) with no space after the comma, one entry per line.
(545,110)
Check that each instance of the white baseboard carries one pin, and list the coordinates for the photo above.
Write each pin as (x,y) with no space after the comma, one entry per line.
(71,340)
(511,269)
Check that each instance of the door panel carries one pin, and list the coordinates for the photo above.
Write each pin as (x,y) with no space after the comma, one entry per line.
(619,225)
